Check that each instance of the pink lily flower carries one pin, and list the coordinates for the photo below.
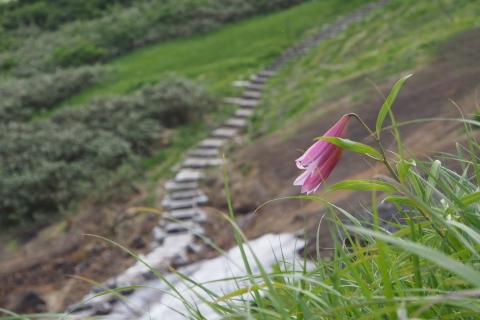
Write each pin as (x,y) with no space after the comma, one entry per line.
(321,158)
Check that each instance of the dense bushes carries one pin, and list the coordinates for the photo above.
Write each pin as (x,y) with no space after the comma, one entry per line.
(21,98)
(49,164)
(45,167)
(82,52)
(177,100)
(122,30)
(49,15)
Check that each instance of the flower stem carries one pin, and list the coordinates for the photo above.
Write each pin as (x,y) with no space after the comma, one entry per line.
(377,140)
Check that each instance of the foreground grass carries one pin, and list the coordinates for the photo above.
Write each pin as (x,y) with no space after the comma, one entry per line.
(427,269)
(218,58)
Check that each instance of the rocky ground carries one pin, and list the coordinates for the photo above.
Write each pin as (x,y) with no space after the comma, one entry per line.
(45,269)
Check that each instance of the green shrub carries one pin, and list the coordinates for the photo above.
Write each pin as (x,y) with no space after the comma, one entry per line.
(129,118)
(45,167)
(82,52)
(178,101)
(6,40)
(48,165)
(21,98)
(8,63)
(120,31)
(49,15)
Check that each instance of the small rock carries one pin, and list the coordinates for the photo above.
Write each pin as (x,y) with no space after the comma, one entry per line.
(200,217)
(103,308)
(137,243)
(85,311)
(158,234)
(28,302)
(179,259)
(198,231)
(194,248)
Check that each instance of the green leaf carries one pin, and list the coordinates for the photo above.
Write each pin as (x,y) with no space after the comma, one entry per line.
(307,314)
(399,200)
(353,146)
(363,185)
(388,104)
(432,179)
(463,271)
(403,166)
(470,198)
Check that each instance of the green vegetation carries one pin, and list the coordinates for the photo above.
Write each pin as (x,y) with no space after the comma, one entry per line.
(218,58)
(22,98)
(50,164)
(62,167)
(426,268)
(121,31)
(379,46)
(49,15)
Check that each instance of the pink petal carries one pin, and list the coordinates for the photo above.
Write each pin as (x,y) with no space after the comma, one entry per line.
(321,146)
(321,158)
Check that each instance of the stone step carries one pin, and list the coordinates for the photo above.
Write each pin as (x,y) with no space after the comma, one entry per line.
(212,143)
(204,153)
(244,113)
(254,87)
(179,204)
(252,94)
(176,195)
(266,73)
(246,103)
(236,122)
(175,227)
(201,162)
(177,186)
(258,80)
(240,83)
(224,132)
(179,240)
(185,214)
(186,175)
(169,202)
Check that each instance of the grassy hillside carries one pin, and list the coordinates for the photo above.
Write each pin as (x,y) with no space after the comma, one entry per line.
(218,58)
(398,38)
